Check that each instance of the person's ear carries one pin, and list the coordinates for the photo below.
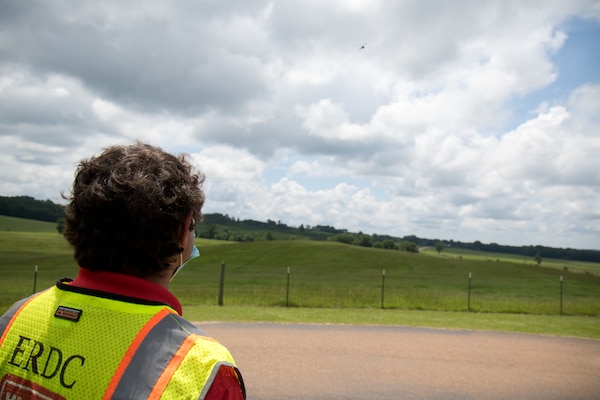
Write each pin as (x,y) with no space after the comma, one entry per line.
(185,229)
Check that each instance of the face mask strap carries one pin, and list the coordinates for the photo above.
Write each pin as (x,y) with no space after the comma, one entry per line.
(180,265)
(195,253)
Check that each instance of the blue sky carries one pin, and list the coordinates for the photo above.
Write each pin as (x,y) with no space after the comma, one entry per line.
(458,120)
(577,63)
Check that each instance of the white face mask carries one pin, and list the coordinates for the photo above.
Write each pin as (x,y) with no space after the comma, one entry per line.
(195,253)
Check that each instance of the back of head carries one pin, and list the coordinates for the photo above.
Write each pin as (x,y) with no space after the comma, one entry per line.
(127,208)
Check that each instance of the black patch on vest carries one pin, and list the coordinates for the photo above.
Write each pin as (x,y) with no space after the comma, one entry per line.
(68,313)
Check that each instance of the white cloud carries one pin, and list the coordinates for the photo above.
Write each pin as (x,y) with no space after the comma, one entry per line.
(291,120)
(330,122)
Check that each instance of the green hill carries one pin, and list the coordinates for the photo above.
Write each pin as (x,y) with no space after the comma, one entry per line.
(323,274)
(224,227)
(565,265)
(25,225)
(329,274)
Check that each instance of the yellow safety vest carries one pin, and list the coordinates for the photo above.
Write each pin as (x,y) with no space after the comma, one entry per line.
(61,344)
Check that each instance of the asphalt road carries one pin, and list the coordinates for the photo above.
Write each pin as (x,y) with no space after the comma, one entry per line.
(304,361)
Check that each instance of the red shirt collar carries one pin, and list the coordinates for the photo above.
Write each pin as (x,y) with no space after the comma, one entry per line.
(126,285)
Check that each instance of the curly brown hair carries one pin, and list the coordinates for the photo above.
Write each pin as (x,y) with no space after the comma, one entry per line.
(127,208)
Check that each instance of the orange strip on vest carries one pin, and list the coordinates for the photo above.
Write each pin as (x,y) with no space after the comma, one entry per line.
(132,349)
(15,315)
(167,374)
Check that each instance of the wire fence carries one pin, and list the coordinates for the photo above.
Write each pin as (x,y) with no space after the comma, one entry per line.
(557,293)
(470,292)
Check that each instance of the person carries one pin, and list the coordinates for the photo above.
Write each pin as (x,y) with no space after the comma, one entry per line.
(116,331)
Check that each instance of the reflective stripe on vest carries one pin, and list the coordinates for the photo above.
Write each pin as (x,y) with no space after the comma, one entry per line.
(157,353)
(119,349)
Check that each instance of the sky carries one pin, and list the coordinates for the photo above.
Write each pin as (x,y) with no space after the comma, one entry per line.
(455,120)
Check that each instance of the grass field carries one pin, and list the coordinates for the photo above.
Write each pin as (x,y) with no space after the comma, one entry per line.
(559,325)
(333,282)
(326,274)
(25,225)
(565,265)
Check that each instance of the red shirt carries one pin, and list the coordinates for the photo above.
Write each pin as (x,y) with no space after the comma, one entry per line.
(226,385)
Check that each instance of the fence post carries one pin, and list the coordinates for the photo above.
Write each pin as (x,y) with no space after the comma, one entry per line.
(287,292)
(35,271)
(382,286)
(469,295)
(561,295)
(222,283)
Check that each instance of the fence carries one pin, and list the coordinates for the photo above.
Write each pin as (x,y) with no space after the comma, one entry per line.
(298,287)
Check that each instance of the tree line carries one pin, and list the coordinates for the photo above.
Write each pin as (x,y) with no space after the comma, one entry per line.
(30,208)
(223,227)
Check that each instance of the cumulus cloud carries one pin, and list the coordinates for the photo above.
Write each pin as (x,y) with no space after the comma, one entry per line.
(454,121)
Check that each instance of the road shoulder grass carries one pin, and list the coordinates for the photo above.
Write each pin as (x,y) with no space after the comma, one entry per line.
(555,325)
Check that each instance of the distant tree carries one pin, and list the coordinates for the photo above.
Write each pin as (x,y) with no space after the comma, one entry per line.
(538,258)
(60,225)
(389,244)
(29,208)
(211,231)
(269,236)
(216,218)
(247,238)
(411,247)
(439,246)
(364,240)
(346,238)
(328,229)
